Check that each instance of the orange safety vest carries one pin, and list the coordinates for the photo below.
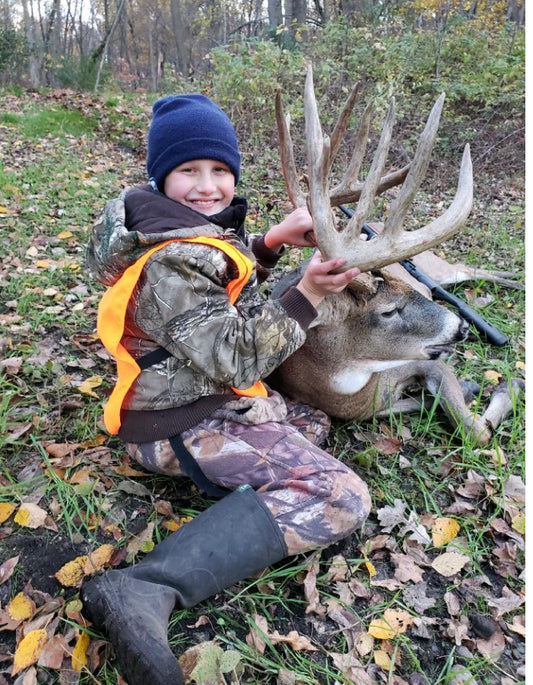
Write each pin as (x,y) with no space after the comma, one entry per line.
(112,316)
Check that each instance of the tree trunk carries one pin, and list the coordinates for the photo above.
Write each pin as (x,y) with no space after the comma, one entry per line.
(275,15)
(106,44)
(179,35)
(29,32)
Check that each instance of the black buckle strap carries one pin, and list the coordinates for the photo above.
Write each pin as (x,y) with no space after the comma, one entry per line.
(158,355)
(190,467)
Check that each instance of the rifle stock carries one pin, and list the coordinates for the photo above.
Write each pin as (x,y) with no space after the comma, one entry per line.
(487,330)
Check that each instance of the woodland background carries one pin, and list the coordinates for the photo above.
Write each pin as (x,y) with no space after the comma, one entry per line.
(77,80)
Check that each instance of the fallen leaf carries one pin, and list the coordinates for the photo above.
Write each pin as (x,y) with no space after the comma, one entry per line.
(29,649)
(389,517)
(492,647)
(415,596)
(519,523)
(53,652)
(88,385)
(518,625)
(293,639)
(79,653)
(30,516)
(506,603)
(449,563)
(72,573)
(310,589)
(97,559)
(141,543)
(406,568)
(6,509)
(380,629)
(382,659)
(21,608)
(256,636)
(443,531)
(371,569)
(7,568)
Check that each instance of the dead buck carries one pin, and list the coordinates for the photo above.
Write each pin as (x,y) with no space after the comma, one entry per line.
(379,337)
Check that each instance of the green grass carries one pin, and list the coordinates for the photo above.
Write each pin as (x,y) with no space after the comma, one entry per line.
(50,122)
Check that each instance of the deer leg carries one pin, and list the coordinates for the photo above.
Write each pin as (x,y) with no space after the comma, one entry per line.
(502,401)
(470,390)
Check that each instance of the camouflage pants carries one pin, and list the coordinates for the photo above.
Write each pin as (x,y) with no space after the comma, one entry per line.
(315,499)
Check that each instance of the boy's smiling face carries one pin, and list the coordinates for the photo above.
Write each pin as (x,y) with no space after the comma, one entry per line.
(206,185)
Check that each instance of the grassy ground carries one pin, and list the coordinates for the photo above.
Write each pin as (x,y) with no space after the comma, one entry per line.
(67,489)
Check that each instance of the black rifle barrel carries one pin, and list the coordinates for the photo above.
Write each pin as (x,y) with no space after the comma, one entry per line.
(487,330)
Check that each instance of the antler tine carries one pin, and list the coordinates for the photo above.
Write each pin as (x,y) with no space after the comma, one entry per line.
(342,122)
(319,164)
(288,166)
(408,243)
(368,191)
(352,173)
(417,172)
(340,196)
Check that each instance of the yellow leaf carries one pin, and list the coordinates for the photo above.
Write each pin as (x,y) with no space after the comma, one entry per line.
(97,559)
(444,530)
(398,619)
(42,264)
(394,621)
(6,509)
(30,515)
(371,569)
(79,653)
(519,523)
(493,376)
(29,650)
(65,234)
(381,629)
(382,659)
(520,366)
(86,388)
(3,210)
(21,608)
(72,573)
(171,525)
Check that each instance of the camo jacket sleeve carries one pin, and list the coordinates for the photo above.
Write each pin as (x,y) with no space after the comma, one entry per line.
(182,305)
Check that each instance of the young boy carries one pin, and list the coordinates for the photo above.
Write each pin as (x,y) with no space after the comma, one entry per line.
(192,339)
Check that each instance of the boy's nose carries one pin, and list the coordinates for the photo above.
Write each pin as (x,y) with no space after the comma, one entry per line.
(205,183)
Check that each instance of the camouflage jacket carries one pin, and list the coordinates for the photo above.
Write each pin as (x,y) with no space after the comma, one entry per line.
(181,304)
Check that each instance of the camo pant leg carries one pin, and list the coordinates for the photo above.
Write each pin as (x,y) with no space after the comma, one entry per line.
(315,499)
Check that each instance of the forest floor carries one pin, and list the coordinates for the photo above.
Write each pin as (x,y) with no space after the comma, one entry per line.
(431,592)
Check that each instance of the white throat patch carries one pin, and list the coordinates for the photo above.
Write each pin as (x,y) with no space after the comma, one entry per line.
(352,379)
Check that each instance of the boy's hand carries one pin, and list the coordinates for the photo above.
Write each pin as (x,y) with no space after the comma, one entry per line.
(318,281)
(296,229)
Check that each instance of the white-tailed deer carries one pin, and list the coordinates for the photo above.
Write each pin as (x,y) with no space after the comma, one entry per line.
(380,336)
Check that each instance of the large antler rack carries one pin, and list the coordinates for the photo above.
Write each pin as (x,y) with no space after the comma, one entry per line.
(393,244)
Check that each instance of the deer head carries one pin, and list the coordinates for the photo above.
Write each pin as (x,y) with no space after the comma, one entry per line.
(394,243)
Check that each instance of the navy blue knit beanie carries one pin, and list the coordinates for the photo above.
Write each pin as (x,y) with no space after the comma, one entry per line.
(186,127)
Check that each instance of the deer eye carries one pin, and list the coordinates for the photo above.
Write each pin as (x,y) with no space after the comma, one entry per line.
(390,313)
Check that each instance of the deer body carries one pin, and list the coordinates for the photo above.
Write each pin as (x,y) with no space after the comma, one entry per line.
(374,342)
